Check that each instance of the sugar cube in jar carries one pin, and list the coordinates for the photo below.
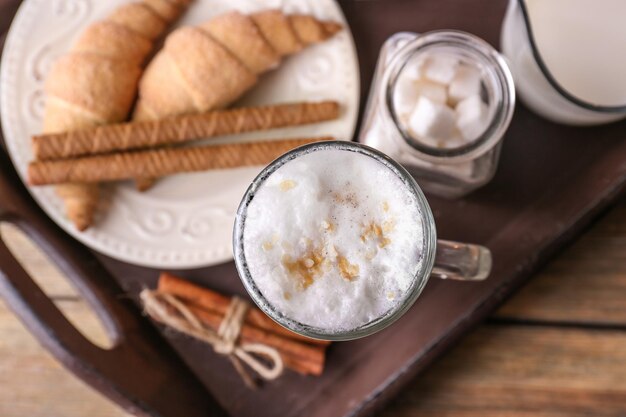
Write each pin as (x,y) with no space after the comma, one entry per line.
(439,100)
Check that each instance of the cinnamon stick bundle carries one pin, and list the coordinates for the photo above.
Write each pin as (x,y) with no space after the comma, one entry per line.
(159,162)
(300,357)
(215,302)
(299,353)
(135,135)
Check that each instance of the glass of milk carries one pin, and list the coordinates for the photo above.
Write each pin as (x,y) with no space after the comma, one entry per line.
(335,240)
(568,58)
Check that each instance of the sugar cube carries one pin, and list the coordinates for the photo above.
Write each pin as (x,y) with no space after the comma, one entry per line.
(429,141)
(433,91)
(413,68)
(405,94)
(471,117)
(454,141)
(431,120)
(466,83)
(440,68)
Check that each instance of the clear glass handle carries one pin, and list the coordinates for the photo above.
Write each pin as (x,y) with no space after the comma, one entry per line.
(461,261)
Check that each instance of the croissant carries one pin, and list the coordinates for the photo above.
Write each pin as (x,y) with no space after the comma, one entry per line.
(96,82)
(210,66)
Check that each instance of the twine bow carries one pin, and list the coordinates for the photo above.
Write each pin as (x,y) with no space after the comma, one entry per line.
(170,311)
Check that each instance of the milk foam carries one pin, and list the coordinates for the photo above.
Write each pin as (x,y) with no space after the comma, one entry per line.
(333,239)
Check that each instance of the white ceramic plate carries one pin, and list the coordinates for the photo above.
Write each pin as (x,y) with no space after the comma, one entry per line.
(185,221)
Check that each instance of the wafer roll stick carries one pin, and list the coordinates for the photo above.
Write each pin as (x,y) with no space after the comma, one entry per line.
(126,136)
(159,162)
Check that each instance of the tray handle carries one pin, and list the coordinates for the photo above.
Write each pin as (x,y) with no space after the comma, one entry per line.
(37,311)
(141,372)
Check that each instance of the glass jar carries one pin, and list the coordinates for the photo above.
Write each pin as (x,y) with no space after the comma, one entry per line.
(447,172)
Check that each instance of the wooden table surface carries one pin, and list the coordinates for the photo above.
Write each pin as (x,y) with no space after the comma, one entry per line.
(557,348)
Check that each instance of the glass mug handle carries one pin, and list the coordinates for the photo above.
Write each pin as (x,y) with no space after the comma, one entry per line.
(461,261)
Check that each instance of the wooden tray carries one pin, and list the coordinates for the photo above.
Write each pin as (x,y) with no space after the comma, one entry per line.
(552,181)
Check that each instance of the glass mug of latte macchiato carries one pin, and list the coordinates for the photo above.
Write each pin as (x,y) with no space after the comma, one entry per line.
(335,240)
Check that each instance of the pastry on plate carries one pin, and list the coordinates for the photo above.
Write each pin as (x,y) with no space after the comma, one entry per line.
(210,66)
(96,82)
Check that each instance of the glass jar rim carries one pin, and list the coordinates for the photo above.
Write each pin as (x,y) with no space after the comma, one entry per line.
(501,117)
(412,293)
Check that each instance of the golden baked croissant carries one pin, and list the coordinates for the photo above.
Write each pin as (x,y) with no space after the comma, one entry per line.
(96,82)
(211,65)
